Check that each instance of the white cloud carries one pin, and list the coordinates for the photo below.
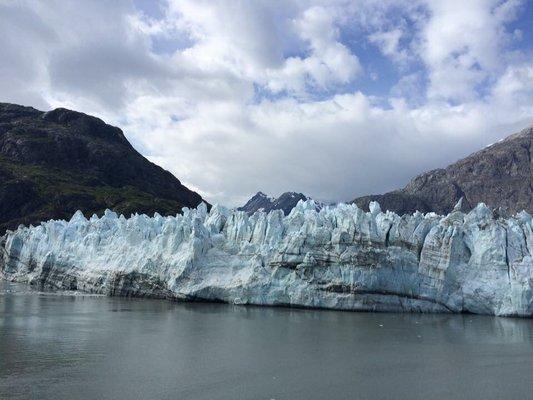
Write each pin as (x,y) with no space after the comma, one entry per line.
(517,81)
(389,43)
(248,40)
(256,96)
(462,45)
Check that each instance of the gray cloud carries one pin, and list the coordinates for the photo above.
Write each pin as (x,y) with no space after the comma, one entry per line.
(103,72)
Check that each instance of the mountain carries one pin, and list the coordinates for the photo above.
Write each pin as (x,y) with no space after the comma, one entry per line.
(54,163)
(261,202)
(501,176)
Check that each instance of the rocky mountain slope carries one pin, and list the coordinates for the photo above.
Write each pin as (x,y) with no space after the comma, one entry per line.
(54,163)
(500,175)
(340,258)
(261,202)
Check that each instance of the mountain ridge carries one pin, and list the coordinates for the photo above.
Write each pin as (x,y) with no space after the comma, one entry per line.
(54,163)
(500,175)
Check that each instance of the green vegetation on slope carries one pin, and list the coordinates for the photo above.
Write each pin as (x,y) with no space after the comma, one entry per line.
(53,191)
(55,163)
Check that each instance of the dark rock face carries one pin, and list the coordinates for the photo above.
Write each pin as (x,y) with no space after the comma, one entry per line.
(54,163)
(287,201)
(500,176)
(261,202)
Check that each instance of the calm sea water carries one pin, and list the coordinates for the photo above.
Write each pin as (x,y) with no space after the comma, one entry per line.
(55,346)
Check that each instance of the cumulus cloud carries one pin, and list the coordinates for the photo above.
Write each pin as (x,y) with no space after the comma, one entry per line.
(389,43)
(236,96)
(329,62)
(462,45)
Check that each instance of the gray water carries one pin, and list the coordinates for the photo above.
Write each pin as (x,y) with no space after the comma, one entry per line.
(56,346)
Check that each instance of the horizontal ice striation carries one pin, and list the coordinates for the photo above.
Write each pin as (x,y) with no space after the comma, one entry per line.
(340,258)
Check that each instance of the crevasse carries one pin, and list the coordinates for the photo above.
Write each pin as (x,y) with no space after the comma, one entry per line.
(339,257)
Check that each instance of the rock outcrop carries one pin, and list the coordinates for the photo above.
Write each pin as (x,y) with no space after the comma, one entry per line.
(54,163)
(501,176)
(340,258)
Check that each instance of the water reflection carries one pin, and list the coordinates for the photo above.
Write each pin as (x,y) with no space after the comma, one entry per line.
(54,346)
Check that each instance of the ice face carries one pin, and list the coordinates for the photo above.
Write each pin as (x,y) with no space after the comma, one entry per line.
(339,257)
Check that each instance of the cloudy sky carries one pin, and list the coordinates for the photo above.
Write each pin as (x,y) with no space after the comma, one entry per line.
(331,98)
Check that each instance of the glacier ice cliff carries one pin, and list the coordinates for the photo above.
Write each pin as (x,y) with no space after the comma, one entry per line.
(340,257)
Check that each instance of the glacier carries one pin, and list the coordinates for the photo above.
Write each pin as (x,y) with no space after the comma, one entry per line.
(339,257)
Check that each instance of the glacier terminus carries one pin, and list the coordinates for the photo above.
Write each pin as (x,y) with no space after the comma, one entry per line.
(339,257)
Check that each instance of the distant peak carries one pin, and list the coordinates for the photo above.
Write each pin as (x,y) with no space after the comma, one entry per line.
(293,195)
(526,132)
(262,202)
